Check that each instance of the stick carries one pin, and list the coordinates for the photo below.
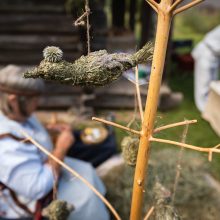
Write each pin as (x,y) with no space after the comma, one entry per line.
(163,28)
(138,94)
(192,147)
(79,21)
(152,5)
(178,167)
(135,112)
(161,41)
(175,4)
(116,125)
(187,122)
(73,172)
(88,25)
(150,212)
(185,7)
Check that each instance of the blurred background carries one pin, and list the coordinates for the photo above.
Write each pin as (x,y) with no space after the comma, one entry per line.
(28,26)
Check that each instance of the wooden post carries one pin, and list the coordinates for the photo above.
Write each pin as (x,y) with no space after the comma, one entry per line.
(165,9)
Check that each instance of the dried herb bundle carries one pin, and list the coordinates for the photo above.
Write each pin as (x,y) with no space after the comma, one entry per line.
(129,147)
(58,210)
(163,208)
(96,69)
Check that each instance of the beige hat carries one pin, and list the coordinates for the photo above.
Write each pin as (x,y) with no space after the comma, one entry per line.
(12,81)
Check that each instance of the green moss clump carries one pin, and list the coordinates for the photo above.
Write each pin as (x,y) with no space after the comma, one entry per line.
(58,210)
(130,150)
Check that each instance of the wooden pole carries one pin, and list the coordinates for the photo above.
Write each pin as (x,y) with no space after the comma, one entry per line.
(165,13)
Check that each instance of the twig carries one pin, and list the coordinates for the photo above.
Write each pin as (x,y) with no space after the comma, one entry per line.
(187,122)
(185,7)
(116,125)
(179,163)
(175,4)
(153,4)
(135,112)
(138,94)
(210,151)
(73,172)
(88,25)
(80,21)
(150,212)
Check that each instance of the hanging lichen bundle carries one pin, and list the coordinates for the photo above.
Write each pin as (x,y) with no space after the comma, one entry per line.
(96,69)
(129,147)
(58,210)
(163,208)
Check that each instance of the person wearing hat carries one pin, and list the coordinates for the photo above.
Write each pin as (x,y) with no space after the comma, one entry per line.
(26,174)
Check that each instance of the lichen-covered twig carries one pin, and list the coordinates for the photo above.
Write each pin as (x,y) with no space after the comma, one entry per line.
(73,172)
(96,69)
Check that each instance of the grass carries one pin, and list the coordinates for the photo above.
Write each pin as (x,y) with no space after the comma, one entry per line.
(195,23)
(200,134)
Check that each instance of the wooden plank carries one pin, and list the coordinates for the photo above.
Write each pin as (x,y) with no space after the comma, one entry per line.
(12,9)
(38,42)
(30,57)
(53,89)
(59,102)
(113,102)
(36,23)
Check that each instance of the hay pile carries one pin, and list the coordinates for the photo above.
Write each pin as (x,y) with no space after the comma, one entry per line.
(195,198)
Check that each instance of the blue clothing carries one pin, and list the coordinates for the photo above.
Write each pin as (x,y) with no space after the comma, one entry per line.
(23,169)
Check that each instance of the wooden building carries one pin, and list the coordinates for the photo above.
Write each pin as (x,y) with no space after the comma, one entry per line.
(28,26)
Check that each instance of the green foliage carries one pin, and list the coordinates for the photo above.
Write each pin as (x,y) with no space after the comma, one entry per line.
(195,23)
(201,21)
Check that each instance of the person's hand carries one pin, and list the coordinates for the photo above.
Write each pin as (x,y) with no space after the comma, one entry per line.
(65,139)
(59,127)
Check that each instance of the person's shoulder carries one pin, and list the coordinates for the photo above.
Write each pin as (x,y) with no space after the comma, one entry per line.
(8,126)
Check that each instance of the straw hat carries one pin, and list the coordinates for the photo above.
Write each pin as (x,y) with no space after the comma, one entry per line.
(12,81)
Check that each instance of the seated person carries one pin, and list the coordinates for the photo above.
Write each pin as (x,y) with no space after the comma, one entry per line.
(207,64)
(26,174)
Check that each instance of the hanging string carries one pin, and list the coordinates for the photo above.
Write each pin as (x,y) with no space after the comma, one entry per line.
(81,22)
(88,25)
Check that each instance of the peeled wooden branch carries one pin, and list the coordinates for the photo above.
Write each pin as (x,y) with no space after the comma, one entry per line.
(185,7)
(138,94)
(73,172)
(186,122)
(150,212)
(175,4)
(163,28)
(153,4)
(210,151)
(96,69)
(116,125)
